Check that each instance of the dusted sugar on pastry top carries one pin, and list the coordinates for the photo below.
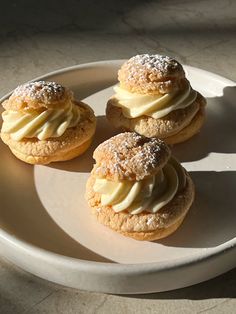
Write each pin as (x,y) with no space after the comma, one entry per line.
(137,188)
(42,123)
(154,98)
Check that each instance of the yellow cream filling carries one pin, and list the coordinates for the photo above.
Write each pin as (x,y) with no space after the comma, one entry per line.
(42,125)
(156,106)
(150,194)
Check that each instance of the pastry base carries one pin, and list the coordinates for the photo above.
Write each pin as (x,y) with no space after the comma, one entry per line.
(178,126)
(63,156)
(154,235)
(145,226)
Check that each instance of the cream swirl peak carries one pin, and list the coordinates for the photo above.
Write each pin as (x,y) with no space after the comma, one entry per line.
(134,105)
(150,194)
(40,124)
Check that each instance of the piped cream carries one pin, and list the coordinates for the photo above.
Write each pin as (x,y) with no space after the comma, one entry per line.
(150,194)
(42,125)
(134,105)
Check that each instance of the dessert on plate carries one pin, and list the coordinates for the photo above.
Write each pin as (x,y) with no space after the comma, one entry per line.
(154,99)
(42,123)
(137,188)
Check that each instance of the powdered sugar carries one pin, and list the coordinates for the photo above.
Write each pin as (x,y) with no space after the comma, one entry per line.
(40,90)
(159,62)
(150,220)
(155,74)
(163,64)
(130,155)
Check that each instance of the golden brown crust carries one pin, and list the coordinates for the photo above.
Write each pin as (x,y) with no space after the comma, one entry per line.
(130,156)
(144,226)
(36,95)
(161,128)
(157,234)
(151,74)
(61,156)
(33,149)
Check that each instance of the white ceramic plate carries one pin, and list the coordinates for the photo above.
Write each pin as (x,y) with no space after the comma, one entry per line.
(47,229)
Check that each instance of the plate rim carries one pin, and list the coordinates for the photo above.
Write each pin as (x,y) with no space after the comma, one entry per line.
(117,268)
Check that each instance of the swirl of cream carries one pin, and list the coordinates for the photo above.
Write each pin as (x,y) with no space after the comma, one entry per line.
(150,194)
(45,124)
(156,106)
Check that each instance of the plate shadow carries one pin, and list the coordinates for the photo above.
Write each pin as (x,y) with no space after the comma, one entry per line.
(26,218)
(211,219)
(84,163)
(216,134)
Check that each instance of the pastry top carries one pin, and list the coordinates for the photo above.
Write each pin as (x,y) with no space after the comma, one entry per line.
(37,95)
(130,156)
(151,74)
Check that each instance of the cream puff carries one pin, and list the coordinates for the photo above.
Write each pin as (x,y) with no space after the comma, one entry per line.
(42,123)
(137,189)
(155,99)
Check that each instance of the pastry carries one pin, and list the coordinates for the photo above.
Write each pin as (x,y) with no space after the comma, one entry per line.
(43,123)
(155,99)
(137,189)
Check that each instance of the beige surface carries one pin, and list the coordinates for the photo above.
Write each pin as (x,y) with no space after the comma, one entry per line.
(21,292)
(31,45)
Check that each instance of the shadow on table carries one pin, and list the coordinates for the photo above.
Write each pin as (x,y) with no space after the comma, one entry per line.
(9,304)
(223,286)
(217,134)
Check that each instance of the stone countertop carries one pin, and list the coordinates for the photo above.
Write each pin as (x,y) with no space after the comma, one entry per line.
(39,37)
